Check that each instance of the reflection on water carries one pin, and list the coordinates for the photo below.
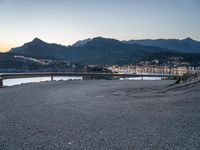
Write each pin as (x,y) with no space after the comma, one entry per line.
(142,78)
(11,82)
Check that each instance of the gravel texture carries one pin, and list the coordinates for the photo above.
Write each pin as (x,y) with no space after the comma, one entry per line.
(100,115)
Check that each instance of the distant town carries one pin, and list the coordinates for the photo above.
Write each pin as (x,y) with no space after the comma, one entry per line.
(153,67)
(174,67)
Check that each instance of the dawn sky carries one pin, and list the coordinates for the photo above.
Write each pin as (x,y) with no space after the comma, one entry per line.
(66,21)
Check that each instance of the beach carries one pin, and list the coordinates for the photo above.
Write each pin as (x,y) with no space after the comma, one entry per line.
(100,115)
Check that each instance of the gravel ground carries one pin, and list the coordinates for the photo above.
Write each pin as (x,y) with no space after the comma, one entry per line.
(100,115)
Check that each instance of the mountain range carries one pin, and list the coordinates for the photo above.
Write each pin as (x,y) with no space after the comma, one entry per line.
(104,51)
(96,51)
(185,45)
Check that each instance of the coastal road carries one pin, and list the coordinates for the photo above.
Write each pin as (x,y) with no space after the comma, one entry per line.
(100,115)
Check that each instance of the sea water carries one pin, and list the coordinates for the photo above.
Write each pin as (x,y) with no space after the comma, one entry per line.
(142,78)
(11,82)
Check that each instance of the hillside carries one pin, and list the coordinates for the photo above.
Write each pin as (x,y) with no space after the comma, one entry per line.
(10,62)
(103,51)
(185,45)
(99,51)
(173,59)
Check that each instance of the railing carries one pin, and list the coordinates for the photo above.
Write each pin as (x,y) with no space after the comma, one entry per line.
(53,74)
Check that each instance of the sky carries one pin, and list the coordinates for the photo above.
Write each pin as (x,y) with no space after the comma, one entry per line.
(67,21)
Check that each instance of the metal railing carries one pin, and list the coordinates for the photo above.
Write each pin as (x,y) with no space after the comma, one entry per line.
(5,76)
